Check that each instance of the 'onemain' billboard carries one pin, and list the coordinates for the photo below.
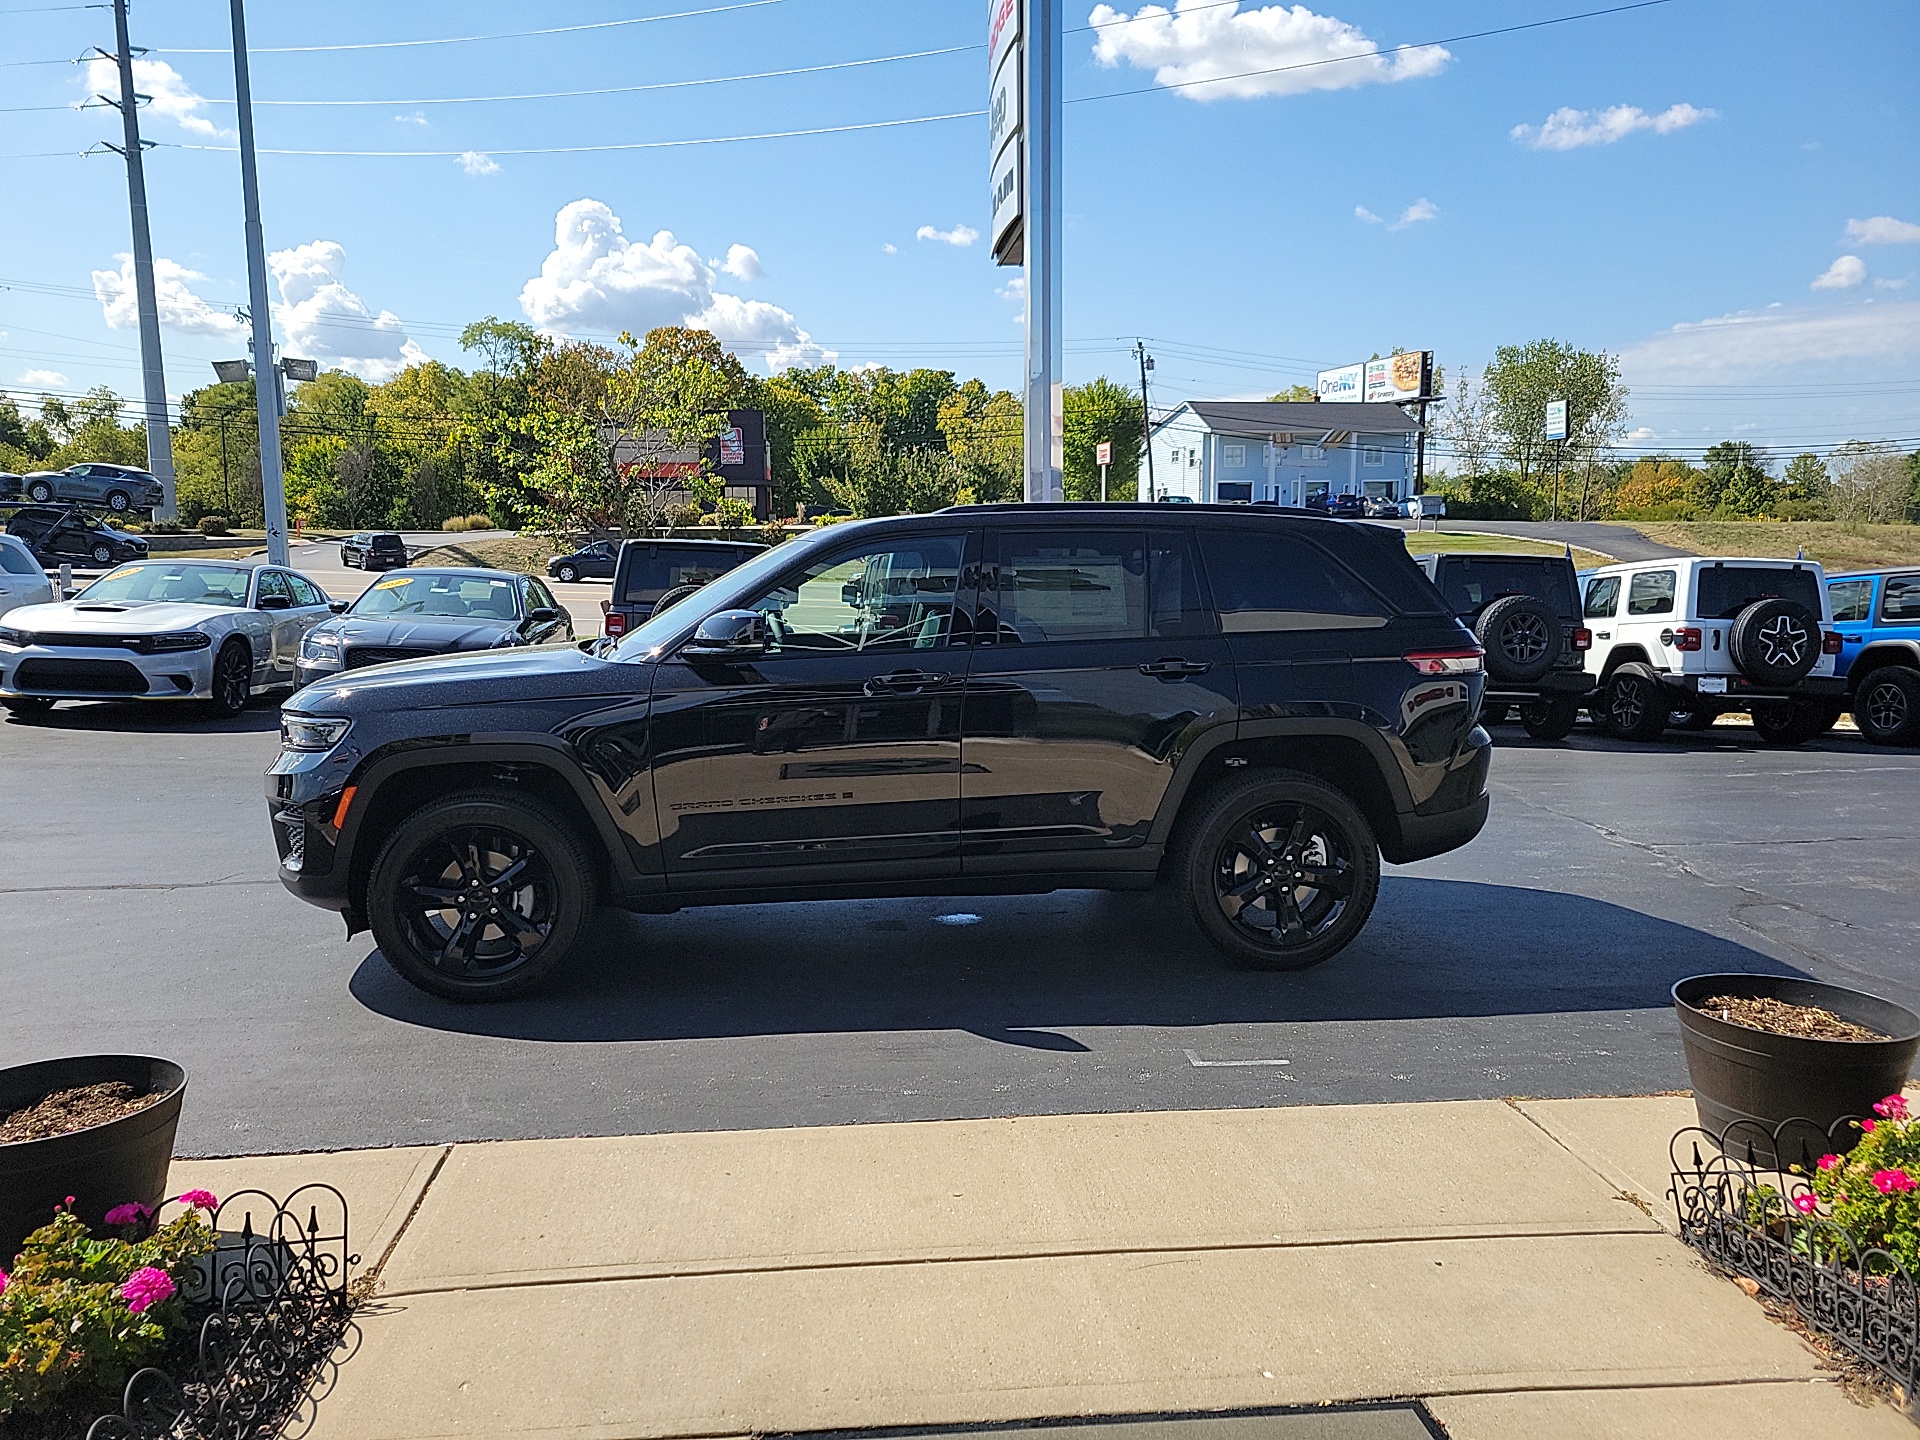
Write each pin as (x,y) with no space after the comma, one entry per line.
(1348,383)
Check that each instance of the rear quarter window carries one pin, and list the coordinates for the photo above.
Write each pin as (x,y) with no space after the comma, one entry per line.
(1723,591)
(1851,599)
(1272,581)
(1900,604)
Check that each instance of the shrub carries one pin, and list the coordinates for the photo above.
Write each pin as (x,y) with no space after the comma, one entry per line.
(213,525)
(166,527)
(1873,1191)
(78,1315)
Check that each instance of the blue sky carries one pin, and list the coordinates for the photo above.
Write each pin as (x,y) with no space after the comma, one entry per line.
(1724,192)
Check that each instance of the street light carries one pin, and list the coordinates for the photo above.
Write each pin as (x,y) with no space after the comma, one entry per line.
(232,372)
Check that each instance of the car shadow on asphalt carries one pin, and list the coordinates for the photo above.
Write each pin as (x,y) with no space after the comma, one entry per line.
(1016,969)
(1720,739)
(152,717)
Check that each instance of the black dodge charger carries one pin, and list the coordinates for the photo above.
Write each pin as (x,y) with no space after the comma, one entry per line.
(434,612)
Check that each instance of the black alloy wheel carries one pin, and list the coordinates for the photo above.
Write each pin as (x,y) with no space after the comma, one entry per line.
(1281,870)
(1635,706)
(567,574)
(480,896)
(1886,707)
(119,501)
(1551,717)
(103,554)
(232,679)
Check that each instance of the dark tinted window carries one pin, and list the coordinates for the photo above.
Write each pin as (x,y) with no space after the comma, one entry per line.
(1603,597)
(16,561)
(1072,585)
(1471,585)
(895,596)
(1379,556)
(1723,591)
(1851,599)
(1175,604)
(1267,580)
(656,569)
(387,542)
(272,583)
(1651,593)
(1900,605)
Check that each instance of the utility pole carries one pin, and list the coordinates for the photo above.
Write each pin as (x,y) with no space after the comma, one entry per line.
(266,375)
(153,372)
(1043,418)
(1146,411)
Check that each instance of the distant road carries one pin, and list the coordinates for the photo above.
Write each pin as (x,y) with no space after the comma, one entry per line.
(1620,541)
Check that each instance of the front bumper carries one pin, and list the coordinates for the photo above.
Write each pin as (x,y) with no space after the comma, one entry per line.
(303,801)
(108,672)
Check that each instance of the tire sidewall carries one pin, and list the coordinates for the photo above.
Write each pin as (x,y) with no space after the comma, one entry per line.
(1495,620)
(533,821)
(1744,645)
(1907,686)
(221,706)
(1551,718)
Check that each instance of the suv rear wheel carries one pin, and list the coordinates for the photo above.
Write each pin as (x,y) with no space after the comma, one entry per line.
(1551,717)
(480,896)
(1635,705)
(1280,870)
(1886,707)
(1794,723)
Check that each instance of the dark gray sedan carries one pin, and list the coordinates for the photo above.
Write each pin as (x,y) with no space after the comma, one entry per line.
(435,612)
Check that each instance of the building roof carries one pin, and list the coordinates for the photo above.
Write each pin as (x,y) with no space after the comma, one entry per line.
(1266,417)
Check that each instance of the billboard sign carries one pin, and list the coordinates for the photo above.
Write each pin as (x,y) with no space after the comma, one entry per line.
(1006,194)
(1348,383)
(1406,376)
(1003,31)
(1006,197)
(1003,108)
(1556,426)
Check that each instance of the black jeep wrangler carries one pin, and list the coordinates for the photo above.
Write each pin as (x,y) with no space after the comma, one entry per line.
(1256,706)
(1523,610)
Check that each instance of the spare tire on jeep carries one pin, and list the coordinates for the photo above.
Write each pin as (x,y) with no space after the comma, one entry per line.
(1775,642)
(1522,638)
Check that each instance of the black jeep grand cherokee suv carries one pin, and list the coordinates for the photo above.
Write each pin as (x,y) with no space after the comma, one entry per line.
(1257,705)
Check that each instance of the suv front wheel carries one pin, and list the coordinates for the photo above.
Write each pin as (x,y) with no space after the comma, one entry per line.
(1635,705)
(1280,870)
(1886,707)
(480,896)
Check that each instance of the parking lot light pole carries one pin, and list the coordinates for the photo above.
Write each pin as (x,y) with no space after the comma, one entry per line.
(266,388)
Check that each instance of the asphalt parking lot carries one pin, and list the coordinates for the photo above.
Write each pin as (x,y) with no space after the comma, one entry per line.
(141,911)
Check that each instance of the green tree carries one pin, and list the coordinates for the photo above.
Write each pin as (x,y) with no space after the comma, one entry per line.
(1806,480)
(1101,410)
(792,408)
(982,431)
(1520,382)
(1295,393)
(1749,493)
(1722,465)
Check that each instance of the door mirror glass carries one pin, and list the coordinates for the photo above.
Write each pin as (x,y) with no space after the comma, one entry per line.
(731,634)
(276,602)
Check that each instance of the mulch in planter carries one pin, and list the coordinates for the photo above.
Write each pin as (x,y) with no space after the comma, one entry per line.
(1777,1017)
(65,1111)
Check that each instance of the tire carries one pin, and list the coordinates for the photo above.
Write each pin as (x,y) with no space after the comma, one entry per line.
(102,554)
(1886,707)
(232,679)
(28,707)
(1265,823)
(1694,717)
(1521,635)
(119,501)
(1633,705)
(566,574)
(1494,712)
(466,850)
(1795,723)
(1551,717)
(672,598)
(1774,642)
(40,492)
(346,559)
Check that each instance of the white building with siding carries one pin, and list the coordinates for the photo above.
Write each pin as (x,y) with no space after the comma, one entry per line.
(1282,452)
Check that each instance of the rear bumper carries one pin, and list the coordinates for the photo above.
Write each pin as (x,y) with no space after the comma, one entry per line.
(1739,688)
(1422,836)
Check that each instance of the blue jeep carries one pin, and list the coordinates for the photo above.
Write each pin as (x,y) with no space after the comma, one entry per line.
(1878,616)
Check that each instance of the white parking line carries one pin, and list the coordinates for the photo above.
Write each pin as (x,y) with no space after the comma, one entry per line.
(1199,1064)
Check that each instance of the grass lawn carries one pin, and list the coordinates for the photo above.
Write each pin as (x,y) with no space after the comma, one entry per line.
(527,554)
(1450,542)
(1835,544)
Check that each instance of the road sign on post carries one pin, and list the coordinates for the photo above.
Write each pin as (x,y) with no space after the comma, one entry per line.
(1556,426)
(1103,455)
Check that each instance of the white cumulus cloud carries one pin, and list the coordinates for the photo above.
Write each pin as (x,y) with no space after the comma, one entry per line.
(1202,40)
(1419,210)
(597,281)
(1754,342)
(1883,230)
(1570,129)
(321,319)
(742,262)
(170,93)
(960,235)
(478,162)
(181,310)
(43,378)
(1845,273)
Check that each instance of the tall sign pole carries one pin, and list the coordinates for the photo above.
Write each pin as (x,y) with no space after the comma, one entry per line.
(153,371)
(1024,66)
(266,375)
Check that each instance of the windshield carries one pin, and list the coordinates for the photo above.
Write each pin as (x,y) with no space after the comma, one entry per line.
(456,597)
(1472,585)
(1723,591)
(742,583)
(186,584)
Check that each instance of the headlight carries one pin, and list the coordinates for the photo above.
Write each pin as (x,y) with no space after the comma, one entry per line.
(162,644)
(14,637)
(320,647)
(311,732)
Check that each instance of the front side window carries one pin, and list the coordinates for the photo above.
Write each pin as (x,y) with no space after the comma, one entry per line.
(1900,605)
(1072,585)
(538,596)
(186,584)
(1175,606)
(1851,599)
(273,585)
(896,596)
(1264,581)
(450,597)
(1651,593)
(1603,597)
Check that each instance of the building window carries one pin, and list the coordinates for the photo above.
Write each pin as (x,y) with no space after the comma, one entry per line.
(1375,456)
(1176,454)
(1312,453)
(1236,457)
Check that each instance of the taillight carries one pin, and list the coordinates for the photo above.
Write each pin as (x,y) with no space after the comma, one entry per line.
(615,624)
(1583,639)
(1447,662)
(1687,638)
(1830,642)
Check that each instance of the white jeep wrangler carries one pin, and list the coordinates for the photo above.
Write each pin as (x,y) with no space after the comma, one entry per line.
(1689,638)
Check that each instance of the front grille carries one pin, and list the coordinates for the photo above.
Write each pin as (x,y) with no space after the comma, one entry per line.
(379,654)
(95,677)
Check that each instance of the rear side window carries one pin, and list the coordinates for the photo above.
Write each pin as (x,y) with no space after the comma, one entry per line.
(15,560)
(1380,557)
(656,569)
(1474,584)
(1851,599)
(304,593)
(1267,581)
(1651,593)
(1900,605)
(1723,591)
(1603,597)
(1176,607)
(1072,585)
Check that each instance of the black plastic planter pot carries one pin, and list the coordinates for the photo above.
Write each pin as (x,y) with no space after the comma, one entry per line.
(102,1166)
(1740,1074)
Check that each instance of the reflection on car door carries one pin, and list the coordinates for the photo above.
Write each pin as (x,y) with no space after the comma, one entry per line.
(835,754)
(1094,666)
(284,627)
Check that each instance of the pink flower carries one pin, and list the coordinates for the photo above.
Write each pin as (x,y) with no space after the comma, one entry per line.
(1829,1162)
(1805,1203)
(131,1213)
(1894,1107)
(1866,1127)
(1888,1181)
(3,1282)
(201,1200)
(146,1286)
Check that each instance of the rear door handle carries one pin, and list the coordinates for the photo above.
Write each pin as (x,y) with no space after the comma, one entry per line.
(905,682)
(1174,669)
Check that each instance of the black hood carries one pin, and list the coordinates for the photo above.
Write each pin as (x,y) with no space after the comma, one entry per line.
(421,632)
(522,675)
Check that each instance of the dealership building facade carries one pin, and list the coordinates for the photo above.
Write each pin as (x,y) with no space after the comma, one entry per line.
(1283,452)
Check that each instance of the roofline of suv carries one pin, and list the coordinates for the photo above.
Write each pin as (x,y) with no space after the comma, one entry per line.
(1677,560)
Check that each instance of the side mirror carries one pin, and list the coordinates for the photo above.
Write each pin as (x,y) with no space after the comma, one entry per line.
(275,602)
(731,635)
(543,614)
(338,607)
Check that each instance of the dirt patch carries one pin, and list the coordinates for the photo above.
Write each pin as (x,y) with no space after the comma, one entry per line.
(1777,1017)
(65,1111)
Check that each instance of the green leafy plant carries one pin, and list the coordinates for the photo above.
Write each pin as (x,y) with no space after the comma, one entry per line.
(213,525)
(1873,1191)
(80,1313)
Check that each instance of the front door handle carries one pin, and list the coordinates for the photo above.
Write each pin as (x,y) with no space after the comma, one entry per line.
(905,682)
(1174,669)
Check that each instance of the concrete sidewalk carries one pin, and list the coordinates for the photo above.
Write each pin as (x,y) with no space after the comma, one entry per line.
(1496,1259)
